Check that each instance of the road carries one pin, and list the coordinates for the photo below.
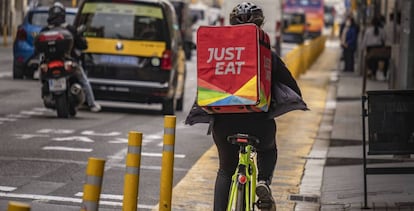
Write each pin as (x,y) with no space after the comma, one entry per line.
(44,158)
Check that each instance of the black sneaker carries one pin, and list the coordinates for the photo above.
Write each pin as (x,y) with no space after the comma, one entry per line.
(265,201)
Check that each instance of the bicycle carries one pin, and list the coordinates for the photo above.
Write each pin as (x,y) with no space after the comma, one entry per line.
(243,187)
(242,195)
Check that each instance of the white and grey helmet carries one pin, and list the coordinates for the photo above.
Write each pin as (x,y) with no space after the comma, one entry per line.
(247,12)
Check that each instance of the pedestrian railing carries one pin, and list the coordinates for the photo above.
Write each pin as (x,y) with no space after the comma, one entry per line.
(390,116)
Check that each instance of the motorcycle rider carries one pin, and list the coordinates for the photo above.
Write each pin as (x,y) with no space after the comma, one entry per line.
(261,125)
(57,18)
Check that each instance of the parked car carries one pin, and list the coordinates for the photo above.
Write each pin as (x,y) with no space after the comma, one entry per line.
(134,52)
(23,47)
(185,23)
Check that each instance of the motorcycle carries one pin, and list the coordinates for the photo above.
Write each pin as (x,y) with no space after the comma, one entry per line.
(61,89)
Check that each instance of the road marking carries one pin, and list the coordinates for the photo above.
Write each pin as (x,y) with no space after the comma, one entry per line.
(55,131)
(147,154)
(30,136)
(104,196)
(3,75)
(72,149)
(152,154)
(93,133)
(32,113)
(7,188)
(118,141)
(65,199)
(7,119)
(74,138)
(18,116)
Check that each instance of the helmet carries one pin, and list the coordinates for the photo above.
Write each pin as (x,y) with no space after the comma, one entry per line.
(247,12)
(57,14)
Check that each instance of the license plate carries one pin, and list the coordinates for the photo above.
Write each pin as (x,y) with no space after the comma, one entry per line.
(125,60)
(57,84)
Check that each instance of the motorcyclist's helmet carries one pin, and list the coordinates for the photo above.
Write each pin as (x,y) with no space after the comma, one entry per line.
(57,14)
(247,12)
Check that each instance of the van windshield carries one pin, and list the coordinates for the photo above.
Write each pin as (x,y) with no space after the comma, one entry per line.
(123,21)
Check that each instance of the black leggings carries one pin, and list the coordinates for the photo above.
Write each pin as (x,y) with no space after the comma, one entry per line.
(265,130)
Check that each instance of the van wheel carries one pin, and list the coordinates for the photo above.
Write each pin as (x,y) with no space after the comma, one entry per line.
(180,103)
(168,107)
(29,73)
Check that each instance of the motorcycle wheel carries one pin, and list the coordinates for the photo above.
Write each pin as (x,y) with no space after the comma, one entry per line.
(62,106)
(72,110)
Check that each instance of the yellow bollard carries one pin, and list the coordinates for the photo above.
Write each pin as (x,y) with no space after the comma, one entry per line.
(167,163)
(93,183)
(18,206)
(133,162)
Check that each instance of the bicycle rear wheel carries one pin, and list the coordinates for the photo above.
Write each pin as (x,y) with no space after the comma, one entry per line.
(241,197)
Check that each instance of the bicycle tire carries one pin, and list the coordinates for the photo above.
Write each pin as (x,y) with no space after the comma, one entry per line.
(241,200)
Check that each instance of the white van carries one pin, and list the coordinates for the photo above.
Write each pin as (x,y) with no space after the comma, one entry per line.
(199,15)
(273,13)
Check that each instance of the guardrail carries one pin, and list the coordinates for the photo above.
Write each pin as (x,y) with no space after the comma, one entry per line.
(304,55)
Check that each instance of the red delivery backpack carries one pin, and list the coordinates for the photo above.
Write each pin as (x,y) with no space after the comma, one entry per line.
(233,69)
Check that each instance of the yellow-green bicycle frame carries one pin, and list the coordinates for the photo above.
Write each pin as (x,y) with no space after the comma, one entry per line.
(244,179)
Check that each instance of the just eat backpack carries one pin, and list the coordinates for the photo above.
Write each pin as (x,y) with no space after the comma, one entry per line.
(233,69)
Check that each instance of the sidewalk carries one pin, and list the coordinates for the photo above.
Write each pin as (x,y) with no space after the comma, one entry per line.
(343,184)
(6,55)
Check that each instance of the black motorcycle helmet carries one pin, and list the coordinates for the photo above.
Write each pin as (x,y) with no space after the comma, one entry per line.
(57,14)
(247,12)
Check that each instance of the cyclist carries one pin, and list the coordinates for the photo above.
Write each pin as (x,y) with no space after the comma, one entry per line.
(262,125)
(57,18)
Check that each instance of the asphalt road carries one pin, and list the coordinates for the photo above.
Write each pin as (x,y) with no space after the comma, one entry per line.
(44,158)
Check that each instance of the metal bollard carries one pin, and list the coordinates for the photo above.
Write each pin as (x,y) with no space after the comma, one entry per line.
(18,206)
(167,163)
(93,183)
(131,180)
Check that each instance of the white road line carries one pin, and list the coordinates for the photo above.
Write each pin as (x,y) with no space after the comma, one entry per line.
(147,154)
(118,141)
(72,149)
(30,136)
(56,131)
(65,199)
(3,75)
(7,188)
(152,154)
(93,133)
(18,116)
(104,196)
(74,138)
(7,119)
(32,113)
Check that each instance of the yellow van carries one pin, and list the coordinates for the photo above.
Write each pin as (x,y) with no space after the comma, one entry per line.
(135,53)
